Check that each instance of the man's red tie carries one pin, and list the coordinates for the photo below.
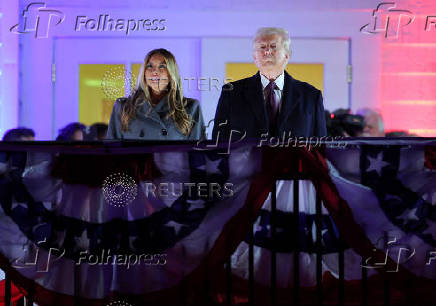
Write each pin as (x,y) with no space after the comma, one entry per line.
(272,108)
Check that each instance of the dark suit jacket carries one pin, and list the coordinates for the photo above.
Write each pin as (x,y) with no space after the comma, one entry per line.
(242,106)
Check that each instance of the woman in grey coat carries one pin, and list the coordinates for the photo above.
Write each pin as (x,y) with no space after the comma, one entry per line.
(157,110)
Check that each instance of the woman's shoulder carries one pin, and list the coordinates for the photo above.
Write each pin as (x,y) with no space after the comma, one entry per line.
(119,104)
(121,101)
(191,104)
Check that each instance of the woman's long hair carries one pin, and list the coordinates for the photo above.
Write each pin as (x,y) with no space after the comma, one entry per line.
(142,94)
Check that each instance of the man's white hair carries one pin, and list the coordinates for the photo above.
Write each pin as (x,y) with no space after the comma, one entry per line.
(365,112)
(283,33)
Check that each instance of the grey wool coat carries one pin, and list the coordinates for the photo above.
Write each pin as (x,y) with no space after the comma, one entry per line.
(151,122)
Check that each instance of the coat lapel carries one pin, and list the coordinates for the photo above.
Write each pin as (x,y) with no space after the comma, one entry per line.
(153,112)
(254,96)
(290,99)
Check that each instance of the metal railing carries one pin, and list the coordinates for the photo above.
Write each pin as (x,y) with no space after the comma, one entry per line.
(296,296)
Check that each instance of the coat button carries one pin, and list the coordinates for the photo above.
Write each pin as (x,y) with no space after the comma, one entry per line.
(164,132)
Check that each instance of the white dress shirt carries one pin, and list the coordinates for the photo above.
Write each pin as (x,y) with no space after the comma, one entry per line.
(280,82)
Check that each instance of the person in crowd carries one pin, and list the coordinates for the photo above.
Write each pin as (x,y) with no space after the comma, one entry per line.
(157,109)
(14,163)
(271,101)
(400,134)
(342,123)
(72,132)
(374,126)
(19,134)
(96,131)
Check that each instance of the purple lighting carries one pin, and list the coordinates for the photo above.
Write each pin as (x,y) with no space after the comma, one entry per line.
(8,68)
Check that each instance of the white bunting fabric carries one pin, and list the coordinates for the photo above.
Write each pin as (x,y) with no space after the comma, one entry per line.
(148,227)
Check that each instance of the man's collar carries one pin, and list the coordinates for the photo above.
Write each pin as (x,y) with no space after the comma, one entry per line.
(280,81)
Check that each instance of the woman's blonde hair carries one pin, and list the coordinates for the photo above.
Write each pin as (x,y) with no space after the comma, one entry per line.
(142,94)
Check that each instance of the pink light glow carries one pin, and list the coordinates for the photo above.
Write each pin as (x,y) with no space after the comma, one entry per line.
(408,80)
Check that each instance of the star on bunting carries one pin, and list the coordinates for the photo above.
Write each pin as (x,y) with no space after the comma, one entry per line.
(376,164)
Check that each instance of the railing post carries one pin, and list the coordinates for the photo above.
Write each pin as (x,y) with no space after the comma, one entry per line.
(29,299)
(7,289)
(250,267)
(77,284)
(273,242)
(20,302)
(296,231)
(387,292)
(229,281)
(364,284)
(183,287)
(341,262)
(206,290)
(318,225)
(387,285)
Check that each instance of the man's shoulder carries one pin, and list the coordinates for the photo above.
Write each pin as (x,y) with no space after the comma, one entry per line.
(305,87)
(238,84)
